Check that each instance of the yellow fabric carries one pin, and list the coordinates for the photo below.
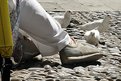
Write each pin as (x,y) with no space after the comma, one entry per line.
(6,41)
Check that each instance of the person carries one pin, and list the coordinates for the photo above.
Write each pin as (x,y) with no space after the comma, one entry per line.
(48,36)
(46,33)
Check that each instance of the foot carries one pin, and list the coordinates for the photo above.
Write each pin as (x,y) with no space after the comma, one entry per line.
(76,52)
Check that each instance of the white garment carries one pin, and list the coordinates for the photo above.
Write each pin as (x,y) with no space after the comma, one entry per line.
(12,5)
(47,34)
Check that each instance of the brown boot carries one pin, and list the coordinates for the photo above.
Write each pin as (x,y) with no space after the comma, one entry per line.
(76,52)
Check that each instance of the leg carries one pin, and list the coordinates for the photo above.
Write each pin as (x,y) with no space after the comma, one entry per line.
(5,71)
(36,22)
(1,62)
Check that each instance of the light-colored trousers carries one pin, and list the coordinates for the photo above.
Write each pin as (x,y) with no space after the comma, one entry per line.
(44,31)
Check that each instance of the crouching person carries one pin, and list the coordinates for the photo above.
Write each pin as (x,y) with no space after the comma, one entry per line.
(50,38)
(47,35)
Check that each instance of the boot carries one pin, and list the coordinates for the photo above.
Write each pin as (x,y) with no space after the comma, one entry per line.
(1,62)
(76,52)
(6,69)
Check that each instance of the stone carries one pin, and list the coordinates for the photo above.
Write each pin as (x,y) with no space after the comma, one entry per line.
(114,50)
(51,72)
(63,75)
(47,67)
(15,79)
(98,68)
(80,70)
(49,79)
(67,70)
(35,69)
(104,80)
(88,79)
(118,79)
(113,76)
(51,76)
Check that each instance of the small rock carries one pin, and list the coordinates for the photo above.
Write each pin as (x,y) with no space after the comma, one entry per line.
(48,67)
(80,70)
(114,50)
(98,78)
(59,67)
(109,79)
(51,72)
(63,75)
(110,45)
(72,25)
(50,79)
(104,80)
(88,79)
(81,31)
(97,68)
(67,70)
(113,76)
(15,79)
(36,69)
(51,76)
(118,79)
(111,70)
(116,54)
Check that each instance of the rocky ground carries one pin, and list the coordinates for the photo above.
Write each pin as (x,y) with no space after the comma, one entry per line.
(108,68)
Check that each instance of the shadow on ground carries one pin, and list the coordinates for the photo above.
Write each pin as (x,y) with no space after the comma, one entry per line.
(36,63)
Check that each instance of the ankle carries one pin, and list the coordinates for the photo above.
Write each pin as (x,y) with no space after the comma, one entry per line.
(72,43)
